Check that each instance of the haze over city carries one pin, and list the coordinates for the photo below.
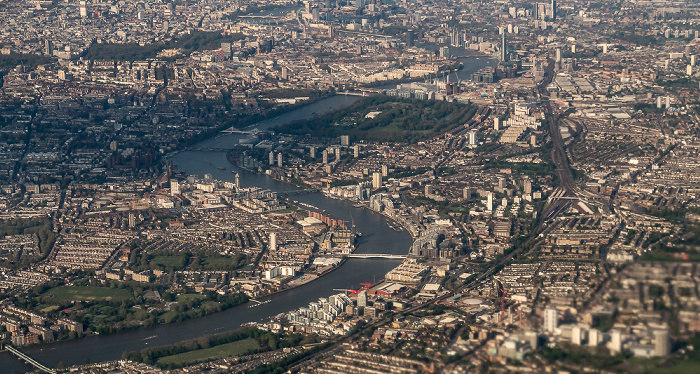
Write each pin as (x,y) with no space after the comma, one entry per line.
(367,186)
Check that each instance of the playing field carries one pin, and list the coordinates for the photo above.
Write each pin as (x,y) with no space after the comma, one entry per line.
(169,261)
(220,351)
(89,293)
(185,297)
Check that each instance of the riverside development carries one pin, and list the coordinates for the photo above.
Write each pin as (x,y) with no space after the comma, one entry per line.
(385,186)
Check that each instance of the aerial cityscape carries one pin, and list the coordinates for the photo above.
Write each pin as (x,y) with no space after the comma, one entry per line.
(360,186)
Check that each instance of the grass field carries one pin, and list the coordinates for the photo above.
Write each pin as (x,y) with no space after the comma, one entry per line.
(680,368)
(399,120)
(223,262)
(190,296)
(169,261)
(47,309)
(220,351)
(89,293)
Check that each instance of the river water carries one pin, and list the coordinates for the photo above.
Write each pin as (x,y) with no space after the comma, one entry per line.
(377,238)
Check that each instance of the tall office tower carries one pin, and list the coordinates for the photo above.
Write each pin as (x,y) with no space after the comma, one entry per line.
(659,104)
(410,38)
(132,220)
(527,186)
(593,337)
(279,159)
(550,319)
(325,156)
(385,170)
(48,48)
(541,11)
(356,151)
(362,298)
(445,52)
(174,187)
(237,182)
(554,10)
(496,123)
(83,9)
(273,242)
(271,158)
(376,180)
(472,138)
(558,55)
(662,346)
(577,334)
(344,140)
(467,193)
(312,152)
(489,202)
(337,155)
(503,47)
(615,341)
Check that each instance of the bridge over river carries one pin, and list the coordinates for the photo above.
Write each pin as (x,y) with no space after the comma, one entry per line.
(377,255)
(28,359)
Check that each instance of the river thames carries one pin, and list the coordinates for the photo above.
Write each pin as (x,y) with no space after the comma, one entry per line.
(377,238)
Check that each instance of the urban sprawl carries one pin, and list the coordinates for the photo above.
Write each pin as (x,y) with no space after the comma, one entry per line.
(543,157)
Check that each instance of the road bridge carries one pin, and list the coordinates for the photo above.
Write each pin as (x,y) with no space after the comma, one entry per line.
(28,359)
(377,255)
(237,131)
(208,149)
(298,192)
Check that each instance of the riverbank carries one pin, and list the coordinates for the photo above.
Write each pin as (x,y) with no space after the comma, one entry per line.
(246,122)
(360,204)
(377,238)
(311,278)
